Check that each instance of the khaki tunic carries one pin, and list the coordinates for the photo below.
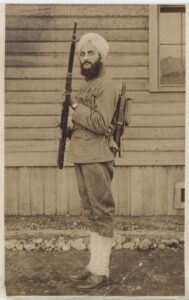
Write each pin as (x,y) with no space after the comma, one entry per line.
(91,120)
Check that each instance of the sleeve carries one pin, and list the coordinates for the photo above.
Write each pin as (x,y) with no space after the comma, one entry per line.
(99,119)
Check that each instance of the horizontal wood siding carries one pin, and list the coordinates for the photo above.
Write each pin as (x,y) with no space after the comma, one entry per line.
(137,190)
(37,49)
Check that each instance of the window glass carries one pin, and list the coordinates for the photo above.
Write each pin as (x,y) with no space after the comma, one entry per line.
(170,28)
(171,46)
(171,66)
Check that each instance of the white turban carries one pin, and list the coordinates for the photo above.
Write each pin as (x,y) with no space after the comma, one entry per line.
(97,40)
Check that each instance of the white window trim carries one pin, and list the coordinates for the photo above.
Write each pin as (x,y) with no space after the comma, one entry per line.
(154,54)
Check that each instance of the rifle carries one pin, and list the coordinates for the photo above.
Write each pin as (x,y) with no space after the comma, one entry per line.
(65,106)
(121,118)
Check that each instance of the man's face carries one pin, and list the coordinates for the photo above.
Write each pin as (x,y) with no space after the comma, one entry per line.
(90,60)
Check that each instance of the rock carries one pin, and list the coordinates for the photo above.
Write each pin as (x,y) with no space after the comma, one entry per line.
(29,246)
(144,245)
(38,241)
(49,245)
(174,243)
(10,244)
(167,243)
(170,243)
(129,245)
(148,241)
(138,288)
(136,241)
(155,245)
(60,244)
(174,249)
(20,246)
(67,246)
(161,246)
(78,245)
(181,240)
(119,239)
(118,247)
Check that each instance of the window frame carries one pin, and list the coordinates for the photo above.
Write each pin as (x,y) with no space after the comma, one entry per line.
(154,54)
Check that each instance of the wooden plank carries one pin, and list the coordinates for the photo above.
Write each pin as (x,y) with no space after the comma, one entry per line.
(159,121)
(31,134)
(175,174)
(124,191)
(136,35)
(11,191)
(161,180)
(146,158)
(37,191)
(136,191)
(175,108)
(33,97)
(56,97)
(62,191)
(154,132)
(50,205)
(76,10)
(33,146)
(52,121)
(24,204)
(58,85)
(33,109)
(31,121)
(61,60)
(148,191)
(115,189)
(155,158)
(60,72)
(153,145)
(84,23)
(158,108)
(59,47)
(74,198)
(29,141)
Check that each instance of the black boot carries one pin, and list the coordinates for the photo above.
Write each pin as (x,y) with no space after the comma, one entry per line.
(92,282)
(82,275)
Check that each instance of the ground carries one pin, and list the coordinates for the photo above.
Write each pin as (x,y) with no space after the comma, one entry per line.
(154,272)
(47,273)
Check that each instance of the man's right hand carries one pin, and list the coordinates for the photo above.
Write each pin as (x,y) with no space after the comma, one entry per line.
(73,97)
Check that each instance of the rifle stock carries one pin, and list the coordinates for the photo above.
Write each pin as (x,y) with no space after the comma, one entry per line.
(65,106)
(120,117)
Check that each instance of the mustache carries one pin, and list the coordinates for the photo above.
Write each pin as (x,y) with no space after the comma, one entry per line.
(88,62)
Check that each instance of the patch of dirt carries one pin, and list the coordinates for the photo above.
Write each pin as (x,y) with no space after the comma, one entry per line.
(133,273)
(65,222)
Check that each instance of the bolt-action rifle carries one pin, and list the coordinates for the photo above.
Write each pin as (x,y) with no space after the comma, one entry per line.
(122,116)
(65,106)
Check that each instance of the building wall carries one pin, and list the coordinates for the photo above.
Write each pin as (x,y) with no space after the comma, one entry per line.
(37,48)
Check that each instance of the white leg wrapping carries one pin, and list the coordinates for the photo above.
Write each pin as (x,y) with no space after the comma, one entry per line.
(93,252)
(103,256)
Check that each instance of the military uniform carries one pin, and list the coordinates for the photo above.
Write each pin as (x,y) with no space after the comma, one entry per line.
(89,150)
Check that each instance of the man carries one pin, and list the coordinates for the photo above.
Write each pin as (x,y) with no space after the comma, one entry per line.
(89,150)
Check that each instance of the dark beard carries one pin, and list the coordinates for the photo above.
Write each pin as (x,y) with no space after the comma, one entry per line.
(93,71)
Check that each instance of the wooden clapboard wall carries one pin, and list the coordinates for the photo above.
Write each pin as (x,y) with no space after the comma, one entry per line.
(37,48)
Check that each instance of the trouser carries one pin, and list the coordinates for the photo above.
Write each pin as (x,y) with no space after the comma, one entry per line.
(94,184)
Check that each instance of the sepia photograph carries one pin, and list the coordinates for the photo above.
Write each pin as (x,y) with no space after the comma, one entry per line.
(94,135)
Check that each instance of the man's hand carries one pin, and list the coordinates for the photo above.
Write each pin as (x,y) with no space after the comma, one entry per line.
(73,97)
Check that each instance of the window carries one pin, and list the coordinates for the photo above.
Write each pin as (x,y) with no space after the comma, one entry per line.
(167,48)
